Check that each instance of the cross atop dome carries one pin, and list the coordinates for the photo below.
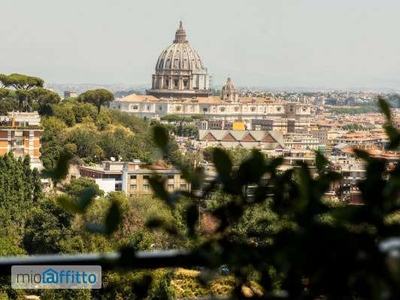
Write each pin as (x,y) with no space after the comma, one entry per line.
(180,35)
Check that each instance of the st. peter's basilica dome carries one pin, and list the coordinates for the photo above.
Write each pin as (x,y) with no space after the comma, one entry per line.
(180,71)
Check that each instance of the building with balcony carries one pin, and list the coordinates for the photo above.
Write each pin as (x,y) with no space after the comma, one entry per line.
(132,177)
(20,133)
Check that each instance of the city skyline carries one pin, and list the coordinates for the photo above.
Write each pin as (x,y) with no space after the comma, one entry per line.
(345,44)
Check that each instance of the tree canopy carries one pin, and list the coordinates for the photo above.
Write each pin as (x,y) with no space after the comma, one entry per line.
(273,233)
(26,93)
(21,81)
(97,97)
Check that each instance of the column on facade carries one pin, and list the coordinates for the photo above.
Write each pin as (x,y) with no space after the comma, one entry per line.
(191,83)
(161,82)
(180,83)
(187,78)
(170,82)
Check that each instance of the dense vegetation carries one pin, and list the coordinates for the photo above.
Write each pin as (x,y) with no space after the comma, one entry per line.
(77,127)
(285,241)
(20,191)
(354,127)
(354,110)
(24,93)
(262,233)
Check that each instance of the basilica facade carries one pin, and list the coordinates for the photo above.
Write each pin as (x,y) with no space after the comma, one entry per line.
(181,86)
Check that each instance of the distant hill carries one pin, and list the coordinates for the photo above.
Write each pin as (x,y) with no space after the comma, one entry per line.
(119,89)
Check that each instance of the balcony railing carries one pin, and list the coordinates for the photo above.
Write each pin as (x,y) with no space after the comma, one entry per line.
(110,261)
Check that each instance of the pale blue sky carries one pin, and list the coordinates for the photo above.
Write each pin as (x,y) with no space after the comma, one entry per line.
(271,43)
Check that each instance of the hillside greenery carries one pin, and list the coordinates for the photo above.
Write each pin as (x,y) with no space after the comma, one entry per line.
(92,137)
(262,233)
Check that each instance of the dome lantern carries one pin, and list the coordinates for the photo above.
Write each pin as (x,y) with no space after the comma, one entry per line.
(229,92)
(180,35)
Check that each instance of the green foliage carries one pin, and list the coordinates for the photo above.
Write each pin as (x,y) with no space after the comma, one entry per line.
(28,94)
(64,294)
(27,89)
(45,98)
(354,110)
(236,155)
(77,185)
(8,247)
(91,138)
(52,144)
(268,222)
(19,190)
(272,230)
(354,127)
(97,97)
(20,81)
(8,101)
(60,171)
(46,227)
(161,137)
(176,118)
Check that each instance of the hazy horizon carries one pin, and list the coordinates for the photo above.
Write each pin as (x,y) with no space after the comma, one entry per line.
(341,44)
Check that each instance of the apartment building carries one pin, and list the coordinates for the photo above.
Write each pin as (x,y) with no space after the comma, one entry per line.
(20,133)
(132,177)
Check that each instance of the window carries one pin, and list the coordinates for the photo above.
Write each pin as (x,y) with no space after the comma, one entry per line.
(19,142)
(176,82)
(183,186)
(145,187)
(170,187)
(160,108)
(170,176)
(133,187)
(161,63)
(146,177)
(133,177)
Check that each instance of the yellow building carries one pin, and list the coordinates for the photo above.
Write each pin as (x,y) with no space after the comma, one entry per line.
(238,126)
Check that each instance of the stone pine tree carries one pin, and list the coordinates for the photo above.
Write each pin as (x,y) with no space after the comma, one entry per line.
(22,85)
(97,97)
(21,81)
